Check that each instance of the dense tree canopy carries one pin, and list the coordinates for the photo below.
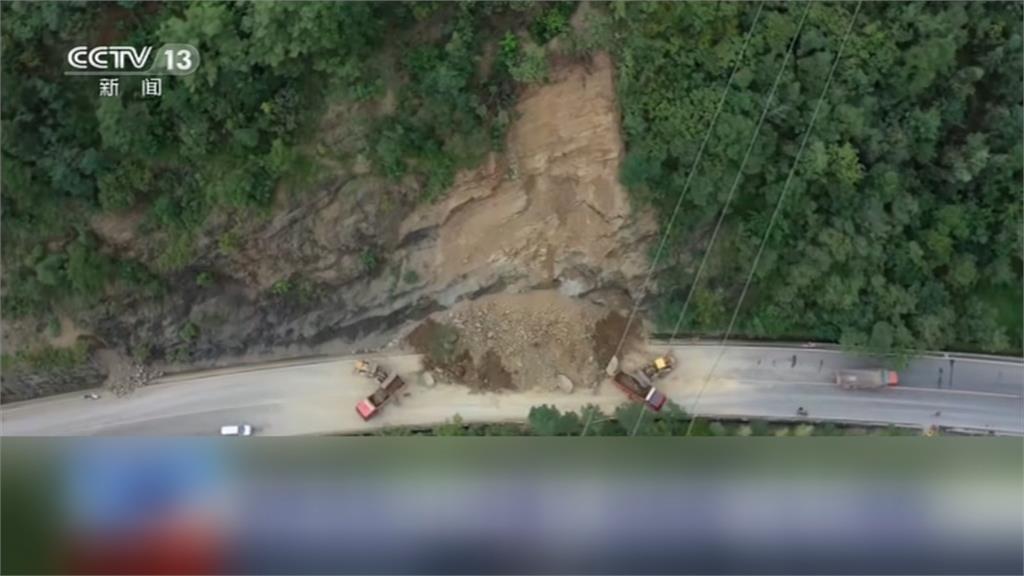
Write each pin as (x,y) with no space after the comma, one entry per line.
(224,137)
(902,226)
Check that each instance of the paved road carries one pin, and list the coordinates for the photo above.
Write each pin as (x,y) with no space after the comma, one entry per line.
(318,397)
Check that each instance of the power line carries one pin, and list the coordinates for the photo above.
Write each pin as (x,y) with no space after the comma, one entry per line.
(739,177)
(736,181)
(771,221)
(682,194)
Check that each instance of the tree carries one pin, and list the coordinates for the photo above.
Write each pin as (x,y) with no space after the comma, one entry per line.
(881,337)
(898,184)
(453,427)
(634,419)
(544,420)
(531,65)
(88,269)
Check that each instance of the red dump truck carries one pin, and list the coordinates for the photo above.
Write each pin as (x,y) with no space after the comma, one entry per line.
(639,390)
(866,379)
(388,389)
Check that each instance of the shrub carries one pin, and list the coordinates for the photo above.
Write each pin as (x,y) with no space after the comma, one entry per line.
(229,242)
(531,67)
(180,354)
(549,421)
(453,427)
(134,275)
(388,152)
(47,358)
(52,270)
(88,269)
(370,260)
(552,22)
(177,254)
(119,190)
(596,34)
(281,287)
(508,50)
(444,346)
(142,352)
(53,327)
(189,332)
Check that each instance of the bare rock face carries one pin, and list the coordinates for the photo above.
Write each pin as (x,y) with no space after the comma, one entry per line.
(428,380)
(565,384)
(17,385)
(323,237)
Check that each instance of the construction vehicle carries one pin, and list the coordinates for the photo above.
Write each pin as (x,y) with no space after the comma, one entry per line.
(866,379)
(371,370)
(659,367)
(387,390)
(639,389)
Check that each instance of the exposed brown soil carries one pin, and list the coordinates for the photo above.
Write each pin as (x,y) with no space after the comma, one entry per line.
(551,205)
(522,341)
(447,355)
(68,335)
(492,374)
(443,352)
(607,334)
(423,336)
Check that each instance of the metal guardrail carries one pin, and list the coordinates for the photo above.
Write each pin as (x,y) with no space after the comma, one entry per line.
(830,347)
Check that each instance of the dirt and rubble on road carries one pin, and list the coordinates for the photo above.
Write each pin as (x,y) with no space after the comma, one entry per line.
(540,339)
(608,333)
(124,374)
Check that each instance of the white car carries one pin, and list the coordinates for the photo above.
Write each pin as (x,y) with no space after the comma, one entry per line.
(236,430)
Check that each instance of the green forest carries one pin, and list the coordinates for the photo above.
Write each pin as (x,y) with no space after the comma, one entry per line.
(902,228)
(223,138)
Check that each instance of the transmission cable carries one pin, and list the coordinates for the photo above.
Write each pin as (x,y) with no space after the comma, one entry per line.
(736,182)
(771,221)
(679,201)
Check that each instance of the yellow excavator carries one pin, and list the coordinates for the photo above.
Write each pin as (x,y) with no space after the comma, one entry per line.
(371,370)
(659,367)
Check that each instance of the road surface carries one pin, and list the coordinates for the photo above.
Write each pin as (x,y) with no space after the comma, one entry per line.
(319,396)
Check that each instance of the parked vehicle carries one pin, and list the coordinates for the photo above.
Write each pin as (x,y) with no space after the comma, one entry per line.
(236,430)
(371,370)
(639,390)
(388,389)
(866,379)
(659,367)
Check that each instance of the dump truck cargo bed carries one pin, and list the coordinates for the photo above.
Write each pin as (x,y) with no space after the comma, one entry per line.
(382,395)
(640,391)
(866,379)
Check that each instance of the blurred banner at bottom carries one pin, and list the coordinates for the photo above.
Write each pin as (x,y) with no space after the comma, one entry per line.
(499,506)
